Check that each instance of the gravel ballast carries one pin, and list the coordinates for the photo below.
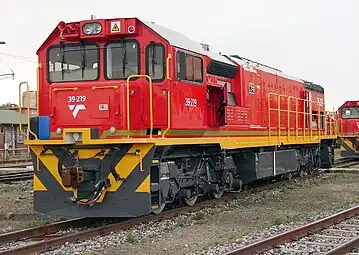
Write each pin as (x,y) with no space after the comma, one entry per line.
(232,224)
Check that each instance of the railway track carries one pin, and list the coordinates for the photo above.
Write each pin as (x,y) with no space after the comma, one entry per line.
(46,238)
(15,162)
(31,244)
(336,234)
(346,162)
(42,231)
(16,176)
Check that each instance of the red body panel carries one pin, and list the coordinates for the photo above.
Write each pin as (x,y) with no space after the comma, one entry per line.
(349,125)
(192,114)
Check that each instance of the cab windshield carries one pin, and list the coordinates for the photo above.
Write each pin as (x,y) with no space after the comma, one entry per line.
(350,113)
(73,62)
(122,59)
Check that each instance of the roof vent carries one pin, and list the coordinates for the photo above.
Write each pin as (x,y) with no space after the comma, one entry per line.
(205,46)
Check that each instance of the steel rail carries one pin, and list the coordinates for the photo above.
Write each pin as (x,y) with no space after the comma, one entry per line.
(42,230)
(57,242)
(16,176)
(345,248)
(272,242)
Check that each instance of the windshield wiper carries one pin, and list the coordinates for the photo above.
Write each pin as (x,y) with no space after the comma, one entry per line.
(124,59)
(153,60)
(62,54)
(356,108)
(83,64)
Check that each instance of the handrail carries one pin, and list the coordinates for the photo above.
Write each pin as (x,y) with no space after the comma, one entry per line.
(105,87)
(28,111)
(306,104)
(169,56)
(65,89)
(39,67)
(168,113)
(128,101)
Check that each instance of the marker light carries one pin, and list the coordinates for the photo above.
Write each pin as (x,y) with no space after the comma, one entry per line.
(112,130)
(92,28)
(76,136)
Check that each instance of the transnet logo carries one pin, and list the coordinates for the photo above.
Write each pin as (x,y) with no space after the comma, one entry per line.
(76,108)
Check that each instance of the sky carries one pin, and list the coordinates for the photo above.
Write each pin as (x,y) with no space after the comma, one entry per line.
(316,40)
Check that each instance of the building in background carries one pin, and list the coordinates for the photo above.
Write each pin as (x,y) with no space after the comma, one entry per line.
(11,138)
(29,98)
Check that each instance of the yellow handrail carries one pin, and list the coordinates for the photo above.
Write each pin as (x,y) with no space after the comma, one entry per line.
(128,101)
(306,114)
(279,112)
(269,108)
(296,117)
(39,67)
(65,89)
(28,112)
(169,56)
(288,117)
(168,112)
(105,87)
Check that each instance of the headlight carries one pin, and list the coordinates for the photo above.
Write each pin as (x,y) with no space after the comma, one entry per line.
(76,136)
(92,28)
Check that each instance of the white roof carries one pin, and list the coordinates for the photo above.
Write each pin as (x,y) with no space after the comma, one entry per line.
(252,66)
(180,40)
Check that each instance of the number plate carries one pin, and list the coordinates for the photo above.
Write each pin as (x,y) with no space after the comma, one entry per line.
(76,99)
(190,102)
(103,107)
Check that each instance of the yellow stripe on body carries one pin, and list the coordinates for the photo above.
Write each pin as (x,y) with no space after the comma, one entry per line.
(349,144)
(51,162)
(145,186)
(38,185)
(128,163)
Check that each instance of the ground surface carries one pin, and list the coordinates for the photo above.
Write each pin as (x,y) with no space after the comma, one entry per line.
(198,232)
(204,231)
(16,207)
(257,212)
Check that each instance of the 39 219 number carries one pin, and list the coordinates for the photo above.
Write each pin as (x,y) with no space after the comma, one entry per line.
(76,99)
(190,102)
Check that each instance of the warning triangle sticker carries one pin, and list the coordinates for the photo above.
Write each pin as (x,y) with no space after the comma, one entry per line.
(115,28)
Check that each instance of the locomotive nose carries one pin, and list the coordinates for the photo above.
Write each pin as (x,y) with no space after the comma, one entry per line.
(86,106)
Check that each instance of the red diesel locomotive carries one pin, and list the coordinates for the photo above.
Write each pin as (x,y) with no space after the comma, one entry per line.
(349,129)
(134,116)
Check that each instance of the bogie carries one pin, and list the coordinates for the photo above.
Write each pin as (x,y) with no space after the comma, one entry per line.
(190,176)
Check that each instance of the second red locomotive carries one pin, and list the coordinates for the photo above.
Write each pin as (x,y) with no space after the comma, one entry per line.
(134,116)
(349,129)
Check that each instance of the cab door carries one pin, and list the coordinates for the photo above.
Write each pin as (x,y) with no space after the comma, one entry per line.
(189,94)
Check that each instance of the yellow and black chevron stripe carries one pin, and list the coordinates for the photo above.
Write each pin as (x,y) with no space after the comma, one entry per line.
(130,195)
(349,146)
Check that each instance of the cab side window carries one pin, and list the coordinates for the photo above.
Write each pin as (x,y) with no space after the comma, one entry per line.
(189,67)
(155,61)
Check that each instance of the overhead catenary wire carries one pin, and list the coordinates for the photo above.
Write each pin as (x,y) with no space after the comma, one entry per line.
(24,58)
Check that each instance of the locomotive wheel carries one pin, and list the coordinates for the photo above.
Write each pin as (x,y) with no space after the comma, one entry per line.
(190,201)
(216,195)
(289,176)
(159,209)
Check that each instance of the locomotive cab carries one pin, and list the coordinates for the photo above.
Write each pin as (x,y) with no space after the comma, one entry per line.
(99,80)
(98,74)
